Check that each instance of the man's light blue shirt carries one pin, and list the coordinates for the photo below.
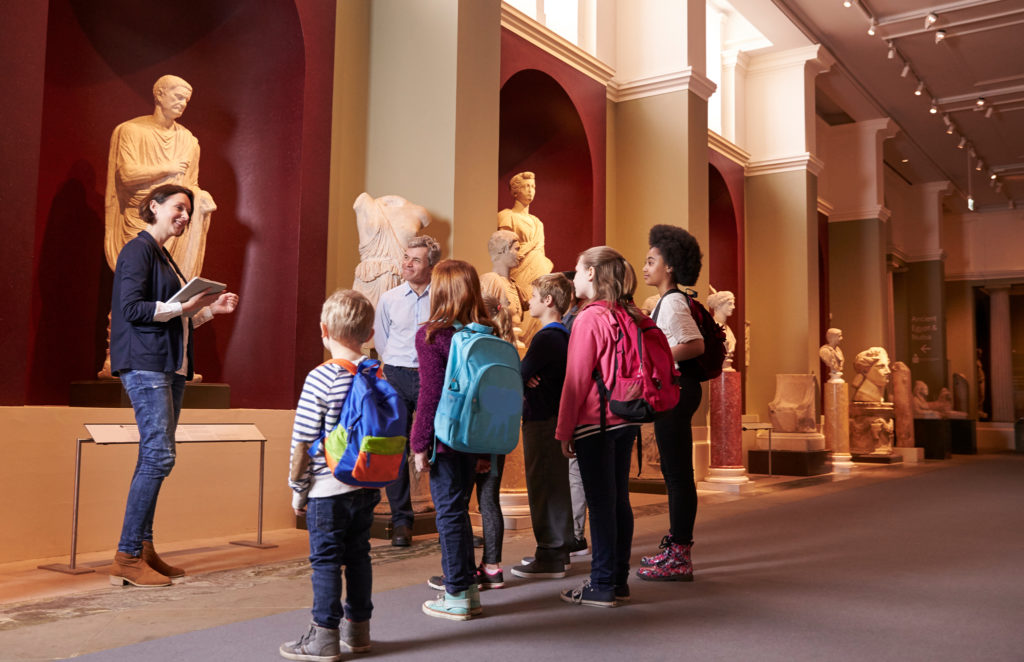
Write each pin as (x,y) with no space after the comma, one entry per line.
(400,313)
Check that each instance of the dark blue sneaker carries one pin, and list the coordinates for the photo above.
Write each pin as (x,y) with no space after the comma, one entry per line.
(589,596)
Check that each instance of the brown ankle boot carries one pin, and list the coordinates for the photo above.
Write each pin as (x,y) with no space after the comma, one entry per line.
(134,570)
(154,561)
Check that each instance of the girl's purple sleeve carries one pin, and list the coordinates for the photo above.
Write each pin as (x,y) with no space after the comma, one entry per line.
(433,358)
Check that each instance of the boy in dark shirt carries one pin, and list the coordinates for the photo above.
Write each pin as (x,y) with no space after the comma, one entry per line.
(547,470)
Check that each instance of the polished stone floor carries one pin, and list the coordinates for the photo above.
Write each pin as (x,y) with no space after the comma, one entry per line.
(47,615)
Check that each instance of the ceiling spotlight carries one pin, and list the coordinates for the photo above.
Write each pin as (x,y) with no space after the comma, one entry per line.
(892,51)
(970,202)
(940,35)
(962,143)
(988,113)
(934,109)
(979,166)
(980,101)
(930,19)
(920,89)
(906,71)
(847,3)
(992,176)
(950,129)
(871,28)
(904,160)
(970,150)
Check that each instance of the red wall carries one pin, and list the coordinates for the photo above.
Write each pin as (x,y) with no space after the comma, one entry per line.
(553,123)
(725,258)
(262,76)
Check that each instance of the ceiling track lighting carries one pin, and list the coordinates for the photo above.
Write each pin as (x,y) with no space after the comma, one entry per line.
(933,109)
(920,90)
(892,51)
(939,36)
(962,143)
(993,176)
(980,102)
(871,28)
(979,166)
(930,20)
(847,3)
(950,129)
(906,71)
(988,113)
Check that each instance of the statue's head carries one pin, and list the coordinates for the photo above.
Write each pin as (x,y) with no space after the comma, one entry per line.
(921,389)
(873,363)
(834,336)
(172,95)
(723,302)
(523,187)
(503,246)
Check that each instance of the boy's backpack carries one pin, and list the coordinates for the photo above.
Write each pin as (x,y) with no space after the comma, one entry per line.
(709,364)
(644,380)
(367,446)
(482,400)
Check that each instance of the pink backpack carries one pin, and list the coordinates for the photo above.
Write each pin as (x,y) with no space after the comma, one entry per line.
(644,382)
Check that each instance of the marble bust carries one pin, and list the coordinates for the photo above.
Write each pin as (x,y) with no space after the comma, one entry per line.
(385,226)
(722,305)
(831,354)
(503,248)
(146,152)
(873,371)
(529,230)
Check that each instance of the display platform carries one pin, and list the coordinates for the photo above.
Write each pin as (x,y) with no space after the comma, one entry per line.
(110,393)
(647,486)
(935,436)
(870,458)
(789,463)
(964,436)
(423,524)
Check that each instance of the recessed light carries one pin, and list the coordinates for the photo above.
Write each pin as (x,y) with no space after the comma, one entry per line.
(904,160)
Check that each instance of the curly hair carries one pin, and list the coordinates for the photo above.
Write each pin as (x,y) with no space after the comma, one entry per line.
(680,251)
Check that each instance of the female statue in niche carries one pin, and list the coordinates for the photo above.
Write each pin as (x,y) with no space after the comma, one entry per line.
(533,263)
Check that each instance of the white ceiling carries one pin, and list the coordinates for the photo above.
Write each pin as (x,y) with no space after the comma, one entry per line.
(981,56)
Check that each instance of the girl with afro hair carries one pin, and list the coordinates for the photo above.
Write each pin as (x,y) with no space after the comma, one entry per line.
(674,259)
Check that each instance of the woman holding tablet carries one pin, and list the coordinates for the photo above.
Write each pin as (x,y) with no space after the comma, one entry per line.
(151,351)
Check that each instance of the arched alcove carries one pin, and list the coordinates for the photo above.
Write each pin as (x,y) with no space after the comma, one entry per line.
(541,131)
(247,63)
(724,255)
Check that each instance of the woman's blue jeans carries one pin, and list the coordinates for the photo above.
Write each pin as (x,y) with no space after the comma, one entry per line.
(156,398)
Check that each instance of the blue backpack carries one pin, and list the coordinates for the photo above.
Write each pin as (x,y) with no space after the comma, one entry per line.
(367,446)
(482,401)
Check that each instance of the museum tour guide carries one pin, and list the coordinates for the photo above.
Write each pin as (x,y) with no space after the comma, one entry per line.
(151,351)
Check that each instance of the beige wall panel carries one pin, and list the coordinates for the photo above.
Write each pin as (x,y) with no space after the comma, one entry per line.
(211,492)
(782,281)
(858,285)
(348,139)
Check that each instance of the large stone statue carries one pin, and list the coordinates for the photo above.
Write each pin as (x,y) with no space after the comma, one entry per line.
(722,305)
(533,262)
(872,366)
(385,227)
(146,152)
(503,247)
(793,407)
(831,354)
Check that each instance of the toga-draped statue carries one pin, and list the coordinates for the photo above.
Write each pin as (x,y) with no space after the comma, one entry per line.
(385,227)
(533,263)
(146,152)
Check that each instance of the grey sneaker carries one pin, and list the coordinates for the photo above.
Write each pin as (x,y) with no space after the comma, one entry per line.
(356,636)
(540,570)
(317,645)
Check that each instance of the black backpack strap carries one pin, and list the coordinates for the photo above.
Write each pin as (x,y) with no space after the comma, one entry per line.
(657,308)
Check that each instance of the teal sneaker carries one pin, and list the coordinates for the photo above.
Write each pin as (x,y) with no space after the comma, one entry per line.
(454,607)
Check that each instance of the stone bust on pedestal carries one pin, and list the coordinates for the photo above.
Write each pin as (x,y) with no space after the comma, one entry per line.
(722,305)
(831,354)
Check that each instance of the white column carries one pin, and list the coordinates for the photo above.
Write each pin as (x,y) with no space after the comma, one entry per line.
(1001,359)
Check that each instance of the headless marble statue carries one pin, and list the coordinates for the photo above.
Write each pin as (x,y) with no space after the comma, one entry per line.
(385,227)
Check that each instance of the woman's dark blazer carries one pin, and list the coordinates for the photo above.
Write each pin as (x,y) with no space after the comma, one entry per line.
(142,277)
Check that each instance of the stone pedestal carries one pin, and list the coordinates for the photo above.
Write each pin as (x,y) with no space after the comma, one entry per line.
(792,454)
(935,436)
(837,423)
(515,506)
(964,436)
(727,472)
(909,455)
(871,432)
(903,408)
